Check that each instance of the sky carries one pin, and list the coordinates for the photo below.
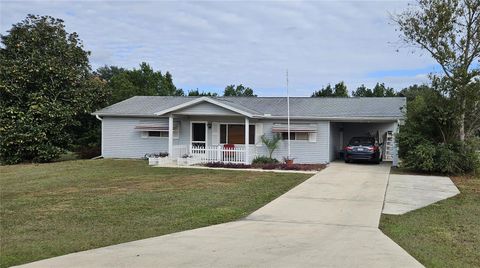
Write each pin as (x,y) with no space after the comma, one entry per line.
(211,44)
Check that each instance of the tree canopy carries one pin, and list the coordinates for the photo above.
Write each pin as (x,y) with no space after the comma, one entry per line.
(449,30)
(45,85)
(238,91)
(196,92)
(380,90)
(144,81)
(338,90)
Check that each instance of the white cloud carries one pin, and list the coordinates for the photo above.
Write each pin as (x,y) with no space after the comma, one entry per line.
(211,44)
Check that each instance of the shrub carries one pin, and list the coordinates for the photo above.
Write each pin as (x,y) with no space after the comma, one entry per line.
(271,144)
(264,160)
(443,158)
(156,155)
(227,165)
(421,158)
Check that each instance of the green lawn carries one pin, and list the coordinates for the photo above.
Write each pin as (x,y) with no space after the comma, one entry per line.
(54,209)
(444,234)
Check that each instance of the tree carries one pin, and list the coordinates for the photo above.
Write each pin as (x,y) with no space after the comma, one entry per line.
(362,91)
(428,141)
(338,90)
(412,92)
(144,81)
(271,144)
(108,72)
(167,88)
(449,30)
(196,92)
(238,91)
(380,90)
(45,85)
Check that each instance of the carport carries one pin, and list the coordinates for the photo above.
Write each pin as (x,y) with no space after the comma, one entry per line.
(342,131)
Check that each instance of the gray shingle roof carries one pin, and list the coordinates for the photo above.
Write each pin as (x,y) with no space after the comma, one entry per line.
(275,106)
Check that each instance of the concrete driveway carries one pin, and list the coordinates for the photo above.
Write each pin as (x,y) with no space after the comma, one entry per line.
(330,220)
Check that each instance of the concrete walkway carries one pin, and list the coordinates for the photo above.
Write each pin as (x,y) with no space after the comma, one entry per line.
(409,192)
(330,220)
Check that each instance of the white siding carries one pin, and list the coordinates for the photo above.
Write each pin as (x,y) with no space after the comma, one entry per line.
(120,139)
(303,151)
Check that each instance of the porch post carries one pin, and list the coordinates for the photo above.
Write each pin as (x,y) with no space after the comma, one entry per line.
(170,135)
(247,139)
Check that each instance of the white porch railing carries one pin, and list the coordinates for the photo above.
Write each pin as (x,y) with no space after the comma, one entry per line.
(219,153)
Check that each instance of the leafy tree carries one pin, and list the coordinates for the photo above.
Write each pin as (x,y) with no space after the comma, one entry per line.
(362,91)
(108,72)
(338,90)
(196,92)
(428,139)
(238,91)
(412,92)
(45,85)
(449,30)
(144,81)
(380,90)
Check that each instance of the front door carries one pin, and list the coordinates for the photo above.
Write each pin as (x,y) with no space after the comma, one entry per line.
(199,135)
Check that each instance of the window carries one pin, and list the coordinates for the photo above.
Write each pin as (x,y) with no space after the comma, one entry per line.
(235,134)
(303,136)
(157,134)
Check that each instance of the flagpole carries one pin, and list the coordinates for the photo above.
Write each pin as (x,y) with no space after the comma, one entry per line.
(288,118)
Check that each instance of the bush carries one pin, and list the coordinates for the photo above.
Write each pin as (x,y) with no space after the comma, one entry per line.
(264,160)
(443,158)
(421,158)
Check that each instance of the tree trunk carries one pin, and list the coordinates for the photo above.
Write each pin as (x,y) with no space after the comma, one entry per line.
(462,121)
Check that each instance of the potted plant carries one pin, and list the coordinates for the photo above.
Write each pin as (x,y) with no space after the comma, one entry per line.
(157,158)
(288,161)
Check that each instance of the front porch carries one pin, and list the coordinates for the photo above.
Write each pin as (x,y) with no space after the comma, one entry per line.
(195,140)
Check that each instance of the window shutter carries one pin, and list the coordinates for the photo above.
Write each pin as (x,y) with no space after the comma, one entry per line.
(258,132)
(312,137)
(215,133)
(144,134)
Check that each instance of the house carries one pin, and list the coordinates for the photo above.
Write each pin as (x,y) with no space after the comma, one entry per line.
(202,126)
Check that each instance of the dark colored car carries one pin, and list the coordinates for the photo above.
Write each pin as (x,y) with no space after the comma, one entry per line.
(362,148)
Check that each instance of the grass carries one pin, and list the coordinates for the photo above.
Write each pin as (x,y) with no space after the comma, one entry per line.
(53,209)
(444,234)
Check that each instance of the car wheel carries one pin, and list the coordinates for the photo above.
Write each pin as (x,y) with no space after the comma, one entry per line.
(347,161)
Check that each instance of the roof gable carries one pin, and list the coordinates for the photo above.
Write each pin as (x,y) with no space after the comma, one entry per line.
(213,102)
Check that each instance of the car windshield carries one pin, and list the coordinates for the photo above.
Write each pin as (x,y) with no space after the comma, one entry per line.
(361,141)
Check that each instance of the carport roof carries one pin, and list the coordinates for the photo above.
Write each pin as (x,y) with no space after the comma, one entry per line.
(269,107)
